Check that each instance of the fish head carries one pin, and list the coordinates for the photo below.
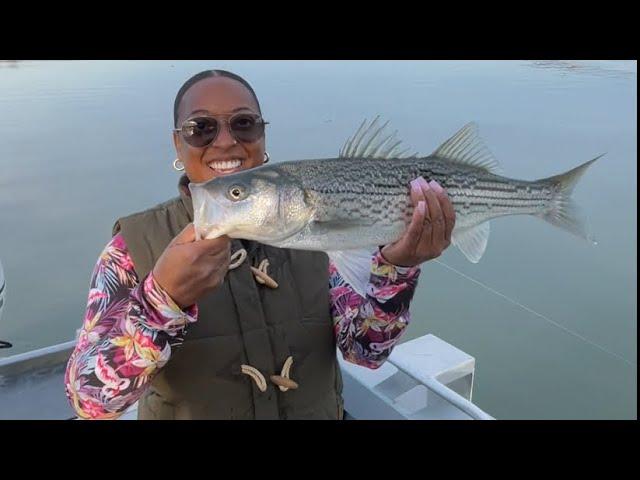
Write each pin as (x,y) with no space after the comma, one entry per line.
(262,204)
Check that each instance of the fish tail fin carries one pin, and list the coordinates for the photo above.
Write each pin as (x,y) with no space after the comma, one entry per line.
(563,211)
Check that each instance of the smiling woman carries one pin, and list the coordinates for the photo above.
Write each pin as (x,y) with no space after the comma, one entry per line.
(194,332)
(218,107)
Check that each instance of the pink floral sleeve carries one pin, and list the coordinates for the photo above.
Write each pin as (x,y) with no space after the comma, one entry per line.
(130,328)
(367,328)
(127,335)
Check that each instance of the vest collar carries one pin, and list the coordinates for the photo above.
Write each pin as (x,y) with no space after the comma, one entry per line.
(185,196)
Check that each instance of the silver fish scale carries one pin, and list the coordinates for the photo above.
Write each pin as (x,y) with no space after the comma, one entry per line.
(376,191)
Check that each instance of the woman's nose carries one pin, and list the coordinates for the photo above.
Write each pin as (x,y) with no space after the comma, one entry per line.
(225,139)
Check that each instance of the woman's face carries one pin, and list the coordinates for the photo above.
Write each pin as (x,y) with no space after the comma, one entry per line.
(219,97)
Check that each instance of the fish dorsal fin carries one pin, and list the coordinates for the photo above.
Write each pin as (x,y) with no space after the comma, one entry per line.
(472,242)
(374,141)
(467,148)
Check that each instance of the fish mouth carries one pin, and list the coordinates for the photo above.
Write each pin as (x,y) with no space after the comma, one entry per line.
(207,226)
(210,231)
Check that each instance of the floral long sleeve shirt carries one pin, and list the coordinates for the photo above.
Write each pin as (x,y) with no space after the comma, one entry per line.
(131,326)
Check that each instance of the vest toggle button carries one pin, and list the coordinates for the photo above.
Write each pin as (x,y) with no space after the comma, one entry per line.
(283,381)
(256,376)
(260,273)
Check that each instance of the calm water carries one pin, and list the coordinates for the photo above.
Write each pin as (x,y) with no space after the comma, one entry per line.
(82,143)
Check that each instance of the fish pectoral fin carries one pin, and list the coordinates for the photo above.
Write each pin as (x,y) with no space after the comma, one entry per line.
(354,266)
(472,242)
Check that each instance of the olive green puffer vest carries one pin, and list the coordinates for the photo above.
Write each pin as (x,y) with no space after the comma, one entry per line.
(247,323)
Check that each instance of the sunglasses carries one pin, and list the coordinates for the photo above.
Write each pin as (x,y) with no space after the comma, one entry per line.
(202,131)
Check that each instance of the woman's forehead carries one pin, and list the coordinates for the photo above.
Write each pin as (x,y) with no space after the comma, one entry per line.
(216,95)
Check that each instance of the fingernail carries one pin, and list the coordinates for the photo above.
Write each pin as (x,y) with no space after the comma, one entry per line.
(423,183)
(422,207)
(415,185)
(436,186)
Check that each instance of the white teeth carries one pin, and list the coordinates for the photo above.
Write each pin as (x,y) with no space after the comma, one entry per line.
(225,165)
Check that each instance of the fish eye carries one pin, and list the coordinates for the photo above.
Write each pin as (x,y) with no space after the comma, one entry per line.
(236,192)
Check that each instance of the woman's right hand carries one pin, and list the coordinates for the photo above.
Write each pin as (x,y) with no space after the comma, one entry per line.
(187,269)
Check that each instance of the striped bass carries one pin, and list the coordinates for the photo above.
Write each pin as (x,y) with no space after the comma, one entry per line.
(361,199)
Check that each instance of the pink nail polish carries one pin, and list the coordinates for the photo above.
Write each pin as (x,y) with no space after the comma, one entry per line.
(422,207)
(423,183)
(436,186)
(415,186)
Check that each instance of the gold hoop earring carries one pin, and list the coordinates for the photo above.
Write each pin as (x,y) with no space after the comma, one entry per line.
(266,157)
(178,165)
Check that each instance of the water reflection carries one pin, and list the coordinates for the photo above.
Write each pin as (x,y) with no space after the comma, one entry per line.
(620,69)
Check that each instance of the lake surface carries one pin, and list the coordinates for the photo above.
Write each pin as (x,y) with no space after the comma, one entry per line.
(550,319)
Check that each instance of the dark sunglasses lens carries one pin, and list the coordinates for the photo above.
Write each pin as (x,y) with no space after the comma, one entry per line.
(199,132)
(247,128)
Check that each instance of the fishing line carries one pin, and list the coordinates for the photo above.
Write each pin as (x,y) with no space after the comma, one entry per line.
(524,307)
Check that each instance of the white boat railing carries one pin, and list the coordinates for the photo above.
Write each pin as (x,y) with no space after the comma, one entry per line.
(455,399)
(423,379)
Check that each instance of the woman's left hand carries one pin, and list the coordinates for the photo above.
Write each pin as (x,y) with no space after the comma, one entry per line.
(429,233)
